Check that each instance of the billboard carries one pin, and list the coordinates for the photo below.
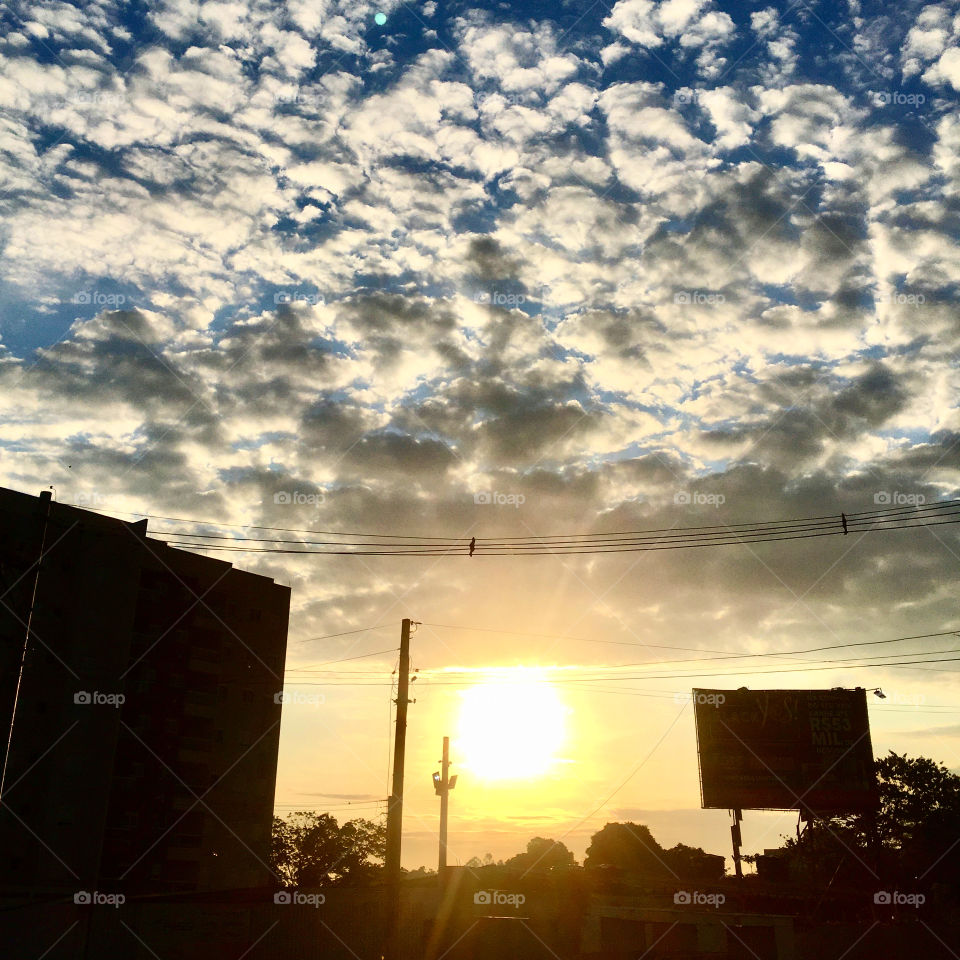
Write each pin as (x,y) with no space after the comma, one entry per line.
(785,750)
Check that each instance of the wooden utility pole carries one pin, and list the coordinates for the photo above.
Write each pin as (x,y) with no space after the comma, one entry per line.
(391,950)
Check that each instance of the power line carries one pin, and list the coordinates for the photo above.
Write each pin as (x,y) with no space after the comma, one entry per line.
(859,662)
(361,656)
(461,552)
(722,655)
(511,633)
(252,526)
(654,664)
(514,543)
(346,633)
(886,512)
(920,707)
(611,540)
(636,545)
(936,514)
(427,680)
(791,653)
(450,678)
(943,709)
(748,671)
(726,654)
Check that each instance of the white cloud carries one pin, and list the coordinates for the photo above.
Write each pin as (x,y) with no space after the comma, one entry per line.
(946,69)
(517,60)
(931,37)
(733,118)
(693,24)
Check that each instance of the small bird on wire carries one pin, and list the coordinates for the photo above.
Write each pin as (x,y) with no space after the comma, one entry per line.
(473,545)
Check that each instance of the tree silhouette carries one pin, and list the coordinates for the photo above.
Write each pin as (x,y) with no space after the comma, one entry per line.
(913,838)
(542,856)
(919,815)
(313,850)
(693,863)
(629,847)
(474,863)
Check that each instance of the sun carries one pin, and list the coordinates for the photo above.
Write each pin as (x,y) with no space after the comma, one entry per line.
(511,726)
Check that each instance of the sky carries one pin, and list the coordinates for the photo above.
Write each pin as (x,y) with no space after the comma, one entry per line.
(460,270)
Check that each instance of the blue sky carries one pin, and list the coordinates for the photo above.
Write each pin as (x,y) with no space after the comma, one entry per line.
(593,254)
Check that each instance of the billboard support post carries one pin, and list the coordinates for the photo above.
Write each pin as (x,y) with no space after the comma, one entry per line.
(735,836)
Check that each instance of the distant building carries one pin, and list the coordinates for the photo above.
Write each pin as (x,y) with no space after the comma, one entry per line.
(143,752)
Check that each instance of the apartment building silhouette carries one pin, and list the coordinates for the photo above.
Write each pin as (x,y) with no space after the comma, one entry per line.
(142,752)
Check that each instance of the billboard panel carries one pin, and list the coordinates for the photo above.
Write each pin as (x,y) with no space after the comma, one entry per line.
(785,750)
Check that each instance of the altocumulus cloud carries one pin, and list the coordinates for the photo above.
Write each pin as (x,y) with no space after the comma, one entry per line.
(591,260)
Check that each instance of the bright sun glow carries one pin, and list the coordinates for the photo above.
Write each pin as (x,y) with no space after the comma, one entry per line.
(510,726)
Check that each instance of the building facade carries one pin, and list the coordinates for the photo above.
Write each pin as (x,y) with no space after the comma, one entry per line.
(142,754)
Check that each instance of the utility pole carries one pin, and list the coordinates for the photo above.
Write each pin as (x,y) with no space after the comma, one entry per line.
(443,783)
(391,861)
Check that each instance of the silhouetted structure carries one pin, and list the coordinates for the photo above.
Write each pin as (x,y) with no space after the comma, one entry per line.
(144,746)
